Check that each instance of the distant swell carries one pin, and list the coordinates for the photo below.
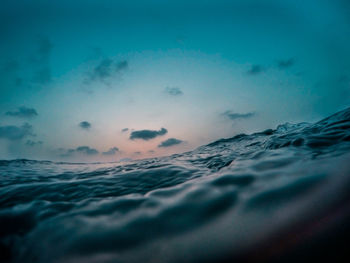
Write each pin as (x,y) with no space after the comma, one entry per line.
(260,197)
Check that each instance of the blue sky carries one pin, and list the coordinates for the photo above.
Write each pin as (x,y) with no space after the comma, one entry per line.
(202,70)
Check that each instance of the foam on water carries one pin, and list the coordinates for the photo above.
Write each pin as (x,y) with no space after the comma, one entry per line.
(260,197)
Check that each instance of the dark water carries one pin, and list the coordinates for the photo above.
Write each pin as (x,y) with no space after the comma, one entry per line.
(278,195)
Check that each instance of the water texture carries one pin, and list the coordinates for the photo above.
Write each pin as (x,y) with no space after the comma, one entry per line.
(269,196)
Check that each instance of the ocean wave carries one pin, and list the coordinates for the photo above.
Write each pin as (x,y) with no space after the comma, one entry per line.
(254,197)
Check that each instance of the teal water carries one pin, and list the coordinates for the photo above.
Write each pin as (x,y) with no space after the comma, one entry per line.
(277,195)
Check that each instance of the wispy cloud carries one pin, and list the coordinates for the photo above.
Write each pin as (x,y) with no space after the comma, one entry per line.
(235,116)
(284,64)
(33,143)
(174,91)
(36,70)
(147,134)
(42,76)
(23,112)
(255,70)
(106,69)
(103,70)
(41,61)
(170,142)
(121,65)
(9,70)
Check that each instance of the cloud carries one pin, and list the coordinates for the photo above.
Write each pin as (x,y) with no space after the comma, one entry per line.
(170,142)
(147,134)
(283,64)
(234,116)
(83,150)
(86,150)
(125,129)
(33,143)
(41,60)
(103,70)
(106,69)
(174,91)
(36,70)
(111,151)
(14,133)
(85,125)
(23,112)
(255,70)
(122,65)
(67,153)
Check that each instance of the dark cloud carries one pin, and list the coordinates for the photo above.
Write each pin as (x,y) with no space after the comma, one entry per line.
(66,153)
(111,151)
(174,91)
(33,143)
(255,70)
(14,133)
(84,150)
(170,142)
(147,134)
(125,129)
(85,125)
(106,69)
(283,64)
(234,116)
(23,112)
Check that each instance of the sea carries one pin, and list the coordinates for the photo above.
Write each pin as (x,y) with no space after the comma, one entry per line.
(280,195)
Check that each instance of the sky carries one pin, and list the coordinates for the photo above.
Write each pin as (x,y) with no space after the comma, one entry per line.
(116,80)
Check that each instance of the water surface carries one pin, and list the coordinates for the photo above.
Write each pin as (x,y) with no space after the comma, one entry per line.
(277,195)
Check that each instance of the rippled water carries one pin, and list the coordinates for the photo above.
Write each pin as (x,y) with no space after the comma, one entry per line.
(269,196)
